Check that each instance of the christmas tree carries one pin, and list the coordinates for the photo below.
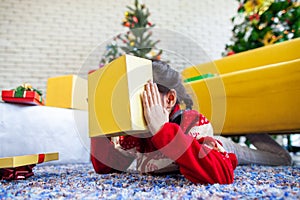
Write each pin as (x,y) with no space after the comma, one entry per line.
(263,22)
(137,40)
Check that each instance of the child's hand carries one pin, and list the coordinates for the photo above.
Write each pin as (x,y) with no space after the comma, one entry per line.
(155,114)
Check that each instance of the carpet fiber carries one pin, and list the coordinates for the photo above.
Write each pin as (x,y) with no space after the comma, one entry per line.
(79,181)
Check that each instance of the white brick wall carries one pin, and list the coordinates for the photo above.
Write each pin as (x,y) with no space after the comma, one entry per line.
(40,39)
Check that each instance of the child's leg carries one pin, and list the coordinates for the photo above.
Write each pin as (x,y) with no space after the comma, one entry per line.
(264,155)
(265,142)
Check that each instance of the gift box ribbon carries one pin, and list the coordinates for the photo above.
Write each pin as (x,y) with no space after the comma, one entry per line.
(20,92)
(41,158)
(17,173)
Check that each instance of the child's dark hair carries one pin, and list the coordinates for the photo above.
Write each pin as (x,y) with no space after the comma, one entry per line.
(167,78)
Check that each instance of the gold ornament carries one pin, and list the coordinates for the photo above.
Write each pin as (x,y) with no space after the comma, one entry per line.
(270,38)
(257,6)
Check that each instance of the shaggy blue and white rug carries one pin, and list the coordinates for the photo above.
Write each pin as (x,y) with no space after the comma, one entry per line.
(79,181)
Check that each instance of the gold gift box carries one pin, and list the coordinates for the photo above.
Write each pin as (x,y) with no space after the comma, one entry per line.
(115,105)
(17,161)
(68,91)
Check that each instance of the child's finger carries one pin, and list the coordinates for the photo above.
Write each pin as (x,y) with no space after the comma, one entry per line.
(157,94)
(149,95)
(154,94)
(145,101)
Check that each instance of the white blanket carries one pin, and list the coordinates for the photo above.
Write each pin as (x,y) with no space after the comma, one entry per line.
(26,129)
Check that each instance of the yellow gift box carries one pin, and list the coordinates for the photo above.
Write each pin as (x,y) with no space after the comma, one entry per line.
(69,91)
(17,161)
(115,105)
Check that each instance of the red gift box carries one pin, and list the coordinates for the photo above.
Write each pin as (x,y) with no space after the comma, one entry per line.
(29,97)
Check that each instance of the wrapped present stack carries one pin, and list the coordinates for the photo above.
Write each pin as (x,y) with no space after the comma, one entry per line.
(24,94)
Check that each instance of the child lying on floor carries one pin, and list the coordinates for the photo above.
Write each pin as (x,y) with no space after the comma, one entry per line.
(176,141)
(179,140)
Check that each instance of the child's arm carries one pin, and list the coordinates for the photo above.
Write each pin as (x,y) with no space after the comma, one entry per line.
(105,158)
(198,162)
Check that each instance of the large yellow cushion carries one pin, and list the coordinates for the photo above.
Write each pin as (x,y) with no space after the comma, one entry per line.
(276,53)
(261,99)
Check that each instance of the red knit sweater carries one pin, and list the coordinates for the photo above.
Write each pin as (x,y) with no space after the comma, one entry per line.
(200,161)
